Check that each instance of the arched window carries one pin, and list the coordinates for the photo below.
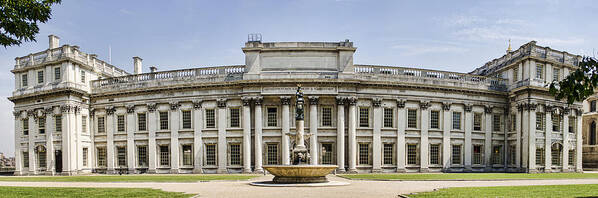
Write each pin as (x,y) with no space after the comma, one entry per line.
(592,140)
(556,154)
(40,152)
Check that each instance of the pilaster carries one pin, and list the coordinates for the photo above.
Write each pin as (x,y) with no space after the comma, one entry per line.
(110,122)
(468,142)
(446,136)
(131,129)
(152,128)
(566,143)
(258,135)
(376,137)
(18,152)
(425,119)
(340,133)
(286,129)
(313,128)
(531,108)
(400,146)
(246,134)
(488,137)
(222,144)
(50,129)
(548,138)
(352,136)
(578,143)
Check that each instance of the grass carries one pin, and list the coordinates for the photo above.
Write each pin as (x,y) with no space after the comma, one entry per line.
(86,192)
(470,176)
(582,190)
(128,178)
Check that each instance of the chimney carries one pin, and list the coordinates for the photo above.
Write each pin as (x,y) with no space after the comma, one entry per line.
(54,41)
(153,69)
(137,64)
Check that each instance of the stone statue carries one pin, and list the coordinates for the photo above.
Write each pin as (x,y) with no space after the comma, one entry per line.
(300,154)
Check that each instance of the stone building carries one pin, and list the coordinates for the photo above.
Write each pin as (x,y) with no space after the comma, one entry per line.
(77,114)
(590,145)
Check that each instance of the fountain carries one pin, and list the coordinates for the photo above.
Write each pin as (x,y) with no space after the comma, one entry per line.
(300,172)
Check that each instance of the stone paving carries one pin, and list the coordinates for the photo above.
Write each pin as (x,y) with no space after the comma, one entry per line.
(357,188)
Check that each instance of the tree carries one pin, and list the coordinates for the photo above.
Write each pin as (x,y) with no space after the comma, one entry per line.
(19,18)
(580,84)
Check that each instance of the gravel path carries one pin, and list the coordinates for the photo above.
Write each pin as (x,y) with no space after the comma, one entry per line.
(357,188)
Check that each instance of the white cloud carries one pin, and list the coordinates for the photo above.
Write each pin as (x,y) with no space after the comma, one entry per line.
(125,11)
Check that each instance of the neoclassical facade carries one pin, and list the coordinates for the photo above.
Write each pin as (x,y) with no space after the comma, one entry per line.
(76,114)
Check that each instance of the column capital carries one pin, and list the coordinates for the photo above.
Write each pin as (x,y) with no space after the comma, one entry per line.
(548,108)
(531,106)
(352,100)
(578,111)
(109,110)
(340,100)
(92,112)
(197,103)
(221,102)
(174,105)
(151,107)
(130,108)
(376,102)
(246,100)
(520,106)
(446,106)
(313,100)
(285,100)
(49,110)
(16,113)
(488,108)
(566,110)
(70,108)
(424,104)
(468,107)
(258,100)
(401,102)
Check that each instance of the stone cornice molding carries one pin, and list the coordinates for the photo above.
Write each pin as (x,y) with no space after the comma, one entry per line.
(313,100)
(197,103)
(401,102)
(340,100)
(221,102)
(376,102)
(285,100)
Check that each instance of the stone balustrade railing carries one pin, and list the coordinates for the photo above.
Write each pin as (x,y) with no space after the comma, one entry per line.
(424,76)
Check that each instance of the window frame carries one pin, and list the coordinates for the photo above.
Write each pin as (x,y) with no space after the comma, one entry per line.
(388,117)
(210,118)
(434,124)
(456,121)
(142,123)
(364,118)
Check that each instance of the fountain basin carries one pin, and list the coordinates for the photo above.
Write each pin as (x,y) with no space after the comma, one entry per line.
(291,174)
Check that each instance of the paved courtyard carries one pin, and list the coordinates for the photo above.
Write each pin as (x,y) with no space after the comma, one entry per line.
(357,188)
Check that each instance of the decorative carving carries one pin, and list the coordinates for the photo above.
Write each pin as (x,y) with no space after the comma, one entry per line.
(340,100)
(520,106)
(197,103)
(258,100)
(49,110)
(548,108)
(16,113)
(77,109)
(401,103)
(578,112)
(566,111)
(66,108)
(531,106)
(376,102)
(221,102)
(151,107)
(313,100)
(352,100)
(130,108)
(174,105)
(446,106)
(468,107)
(110,110)
(424,104)
(488,108)
(92,112)
(285,100)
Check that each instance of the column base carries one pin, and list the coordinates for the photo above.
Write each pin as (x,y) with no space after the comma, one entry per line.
(548,170)
(532,171)
(565,170)
(351,171)
(247,171)
(221,171)
(151,171)
(197,171)
(174,171)
(579,170)
(131,171)
(340,170)
(258,171)
(401,170)
(468,169)
(377,170)
(424,170)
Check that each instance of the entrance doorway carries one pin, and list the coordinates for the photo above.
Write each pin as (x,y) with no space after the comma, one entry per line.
(58,160)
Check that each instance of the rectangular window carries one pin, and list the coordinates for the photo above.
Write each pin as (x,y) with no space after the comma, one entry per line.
(234,118)
(41,158)
(164,155)
(539,71)
(58,123)
(272,116)
(26,126)
(211,154)
(326,116)
(515,74)
(435,154)
(412,154)
(163,120)
(457,120)
(496,122)
(26,159)
(141,121)
(540,156)
(572,124)
(456,155)
(512,154)
(327,152)
(101,125)
(477,121)
(364,153)
(210,118)
(388,118)
(101,156)
(555,74)
(555,155)
(57,73)
(40,76)
(142,157)
(83,76)
(556,122)
(84,124)
(84,156)
(24,80)
(389,153)
(187,155)
(412,118)
(120,123)
(434,119)
(478,154)
(513,123)
(364,117)
(540,121)
(272,152)
(497,157)
(41,125)
(235,154)
(121,153)
(571,157)
(186,119)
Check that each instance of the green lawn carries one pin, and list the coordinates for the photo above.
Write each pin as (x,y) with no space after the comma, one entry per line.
(129,178)
(585,190)
(86,192)
(470,176)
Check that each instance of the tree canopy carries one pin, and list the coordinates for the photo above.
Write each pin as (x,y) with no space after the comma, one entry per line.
(19,18)
(580,84)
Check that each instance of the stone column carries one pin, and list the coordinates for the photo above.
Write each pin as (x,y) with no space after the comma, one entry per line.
(424,125)
(340,133)
(578,143)
(131,129)
(246,134)
(33,129)
(401,135)
(18,152)
(109,123)
(197,118)
(78,146)
(446,136)
(566,143)
(488,137)
(518,146)
(286,129)
(174,136)
(152,128)
(531,107)
(258,135)
(376,136)
(548,138)
(222,144)
(50,128)
(468,143)
(313,129)
(352,136)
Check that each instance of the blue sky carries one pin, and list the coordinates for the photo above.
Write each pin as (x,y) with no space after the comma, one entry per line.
(444,35)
